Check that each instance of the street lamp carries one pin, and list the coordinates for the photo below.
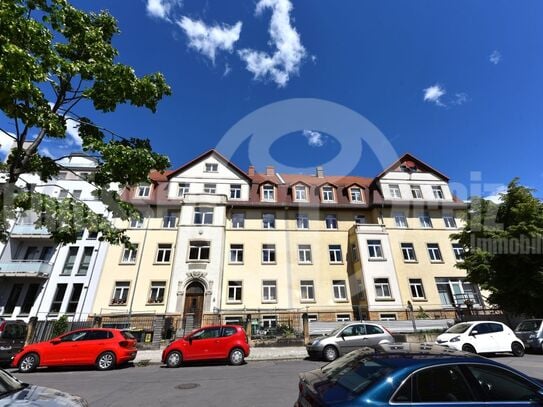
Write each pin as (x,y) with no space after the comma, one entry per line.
(412,314)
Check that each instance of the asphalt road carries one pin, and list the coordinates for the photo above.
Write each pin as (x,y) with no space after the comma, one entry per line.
(263,383)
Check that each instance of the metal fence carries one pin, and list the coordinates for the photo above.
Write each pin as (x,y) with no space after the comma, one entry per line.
(44,329)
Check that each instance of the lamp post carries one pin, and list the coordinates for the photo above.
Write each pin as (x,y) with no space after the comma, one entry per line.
(412,315)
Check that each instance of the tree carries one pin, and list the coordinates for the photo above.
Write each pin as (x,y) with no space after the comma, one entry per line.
(504,249)
(52,58)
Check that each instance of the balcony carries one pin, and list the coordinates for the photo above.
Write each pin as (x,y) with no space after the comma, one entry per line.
(25,268)
(29,230)
(368,228)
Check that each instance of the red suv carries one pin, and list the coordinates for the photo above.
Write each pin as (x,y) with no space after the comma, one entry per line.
(226,342)
(101,347)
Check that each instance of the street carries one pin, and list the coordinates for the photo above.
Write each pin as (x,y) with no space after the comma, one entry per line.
(262,383)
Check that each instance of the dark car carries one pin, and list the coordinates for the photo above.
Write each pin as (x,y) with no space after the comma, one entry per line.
(530,331)
(220,342)
(12,339)
(15,393)
(408,373)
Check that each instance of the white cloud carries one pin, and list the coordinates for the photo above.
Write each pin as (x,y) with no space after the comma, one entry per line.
(207,39)
(495,57)
(286,60)
(5,143)
(46,152)
(72,131)
(460,98)
(433,94)
(314,138)
(495,195)
(162,8)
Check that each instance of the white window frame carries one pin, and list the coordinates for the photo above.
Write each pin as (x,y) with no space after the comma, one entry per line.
(130,256)
(200,246)
(387,317)
(136,223)
(438,192)
(328,194)
(334,254)
(458,251)
(449,221)
(269,291)
(210,188)
(356,195)
(156,292)
(360,219)
(330,221)
(236,253)
(302,221)
(143,191)
(339,288)
(382,288)
(269,255)
(395,191)
(235,191)
(164,253)
(375,249)
(307,290)
(123,289)
(434,252)
(417,289)
(235,291)
(343,317)
(211,167)
(416,192)
(268,193)
(408,252)
(203,215)
(400,220)
(425,220)
(304,254)
(240,222)
(268,220)
(183,189)
(300,193)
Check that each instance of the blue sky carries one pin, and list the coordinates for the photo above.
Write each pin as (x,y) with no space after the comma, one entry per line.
(458,84)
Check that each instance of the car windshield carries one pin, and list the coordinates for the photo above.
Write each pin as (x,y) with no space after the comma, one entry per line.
(9,384)
(458,329)
(336,331)
(531,325)
(357,370)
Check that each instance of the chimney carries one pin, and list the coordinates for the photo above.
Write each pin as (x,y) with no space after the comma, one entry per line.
(270,170)
(320,172)
(251,171)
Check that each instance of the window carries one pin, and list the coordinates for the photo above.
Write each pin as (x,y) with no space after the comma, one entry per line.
(130,254)
(382,288)
(438,192)
(79,234)
(417,290)
(425,220)
(85,261)
(328,194)
(236,253)
(375,250)
(458,251)
(268,193)
(449,221)
(304,254)
(76,194)
(70,261)
(434,252)
(183,189)
(302,221)
(408,252)
(387,317)
(156,293)
(30,297)
(211,167)
(400,220)
(416,192)
(58,298)
(92,235)
(268,220)
(164,253)
(234,291)
(356,195)
(143,191)
(359,219)
(63,193)
(136,223)
(394,191)
(300,193)
(13,298)
(269,321)
(235,191)
(340,290)
(330,221)
(74,298)
(238,220)
(343,317)
(199,250)
(307,290)
(210,188)
(334,251)
(269,291)
(268,253)
(203,216)
(120,293)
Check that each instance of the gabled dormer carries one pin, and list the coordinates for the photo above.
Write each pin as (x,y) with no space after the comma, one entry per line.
(355,193)
(300,192)
(268,191)
(328,193)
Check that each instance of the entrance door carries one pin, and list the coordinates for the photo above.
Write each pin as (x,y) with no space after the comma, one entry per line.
(194,303)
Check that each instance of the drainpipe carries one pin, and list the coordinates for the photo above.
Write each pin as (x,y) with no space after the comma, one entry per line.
(138,270)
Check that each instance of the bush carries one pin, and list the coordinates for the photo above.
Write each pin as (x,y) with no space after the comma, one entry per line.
(60,326)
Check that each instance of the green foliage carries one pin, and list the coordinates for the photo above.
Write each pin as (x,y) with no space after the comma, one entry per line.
(53,57)
(503,249)
(60,326)
(421,314)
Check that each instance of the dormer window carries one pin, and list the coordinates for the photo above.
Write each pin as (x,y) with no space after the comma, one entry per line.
(143,191)
(356,195)
(300,193)
(416,192)
(268,193)
(212,167)
(438,192)
(328,194)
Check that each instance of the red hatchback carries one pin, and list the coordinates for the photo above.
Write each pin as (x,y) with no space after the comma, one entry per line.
(101,347)
(221,342)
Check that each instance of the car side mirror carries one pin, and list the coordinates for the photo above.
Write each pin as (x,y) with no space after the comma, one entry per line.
(473,333)
(55,341)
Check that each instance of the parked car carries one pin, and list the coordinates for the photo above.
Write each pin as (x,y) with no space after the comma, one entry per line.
(347,338)
(15,393)
(482,337)
(102,347)
(407,374)
(12,339)
(220,342)
(530,331)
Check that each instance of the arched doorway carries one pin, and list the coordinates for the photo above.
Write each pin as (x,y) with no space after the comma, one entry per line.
(194,303)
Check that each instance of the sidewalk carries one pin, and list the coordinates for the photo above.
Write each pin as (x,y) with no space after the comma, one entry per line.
(280,353)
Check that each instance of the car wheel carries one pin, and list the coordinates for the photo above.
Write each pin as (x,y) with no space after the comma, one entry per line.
(330,353)
(468,348)
(105,361)
(174,359)
(517,349)
(29,363)
(236,357)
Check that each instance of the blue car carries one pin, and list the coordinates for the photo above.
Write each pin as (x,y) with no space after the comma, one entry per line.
(405,374)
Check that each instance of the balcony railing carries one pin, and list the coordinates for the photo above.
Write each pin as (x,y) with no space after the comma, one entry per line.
(371,228)
(25,229)
(31,267)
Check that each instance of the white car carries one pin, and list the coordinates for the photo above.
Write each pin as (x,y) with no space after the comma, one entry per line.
(482,337)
